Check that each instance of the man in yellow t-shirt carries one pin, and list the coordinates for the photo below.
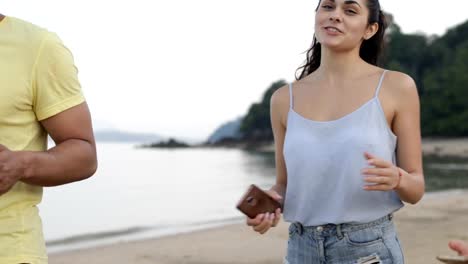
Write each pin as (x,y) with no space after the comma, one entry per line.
(39,95)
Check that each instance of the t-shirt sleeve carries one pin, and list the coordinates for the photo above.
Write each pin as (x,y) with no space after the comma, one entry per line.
(56,87)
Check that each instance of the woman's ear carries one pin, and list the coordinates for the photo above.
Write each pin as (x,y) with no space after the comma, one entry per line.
(371,30)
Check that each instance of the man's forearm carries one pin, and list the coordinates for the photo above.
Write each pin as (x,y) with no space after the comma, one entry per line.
(69,161)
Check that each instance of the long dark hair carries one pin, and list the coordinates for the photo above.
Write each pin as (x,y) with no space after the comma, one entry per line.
(370,49)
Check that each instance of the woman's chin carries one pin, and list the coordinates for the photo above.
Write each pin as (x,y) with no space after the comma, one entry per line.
(332,45)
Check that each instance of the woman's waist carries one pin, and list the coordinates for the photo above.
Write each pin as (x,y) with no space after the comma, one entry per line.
(312,208)
(343,227)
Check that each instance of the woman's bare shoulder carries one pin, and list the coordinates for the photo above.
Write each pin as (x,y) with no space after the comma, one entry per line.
(279,105)
(401,88)
(280,98)
(400,82)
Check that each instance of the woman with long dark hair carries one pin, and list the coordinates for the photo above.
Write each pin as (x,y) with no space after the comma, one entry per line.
(347,143)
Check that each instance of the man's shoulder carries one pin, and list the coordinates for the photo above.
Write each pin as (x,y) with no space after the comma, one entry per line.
(24,32)
(19,23)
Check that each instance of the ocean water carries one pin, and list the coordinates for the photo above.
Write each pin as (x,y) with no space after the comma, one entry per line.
(142,193)
(138,193)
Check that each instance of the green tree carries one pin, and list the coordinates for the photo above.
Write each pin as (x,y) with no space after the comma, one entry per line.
(445,102)
(439,66)
(406,53)
(256,124)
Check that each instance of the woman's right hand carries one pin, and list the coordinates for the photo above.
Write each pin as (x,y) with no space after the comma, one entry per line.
(263,222)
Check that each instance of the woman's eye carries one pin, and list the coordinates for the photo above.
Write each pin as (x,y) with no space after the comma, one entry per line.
(351,11)
(327,7)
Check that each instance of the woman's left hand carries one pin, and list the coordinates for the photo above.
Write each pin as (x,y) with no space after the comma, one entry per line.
(383,177)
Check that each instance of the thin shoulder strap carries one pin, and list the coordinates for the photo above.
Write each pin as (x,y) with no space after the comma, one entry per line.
(290,96)
(380,83)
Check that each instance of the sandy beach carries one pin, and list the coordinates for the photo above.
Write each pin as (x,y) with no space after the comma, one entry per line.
(424,231)
(445,147)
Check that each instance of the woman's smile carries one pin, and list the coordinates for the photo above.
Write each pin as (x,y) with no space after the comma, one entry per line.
(332,30)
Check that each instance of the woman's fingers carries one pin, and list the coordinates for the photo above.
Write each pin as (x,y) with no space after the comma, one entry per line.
(377,187)
(368,155)
(255,221)
(277,217)
(378,179)
(377,171)
(381,179)
(268,220)
(377,183)
(373,160)
(262,222)
(380,163)
(266,223)
(259,228)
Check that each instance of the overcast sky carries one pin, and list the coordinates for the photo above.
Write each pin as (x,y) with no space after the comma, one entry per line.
(183,67)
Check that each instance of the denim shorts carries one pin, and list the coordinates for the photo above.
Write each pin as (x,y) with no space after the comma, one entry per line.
(367,243)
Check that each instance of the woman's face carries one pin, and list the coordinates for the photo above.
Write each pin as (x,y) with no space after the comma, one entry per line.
(342,24)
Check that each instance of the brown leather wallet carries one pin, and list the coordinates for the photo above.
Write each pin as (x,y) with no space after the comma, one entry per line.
(255,201)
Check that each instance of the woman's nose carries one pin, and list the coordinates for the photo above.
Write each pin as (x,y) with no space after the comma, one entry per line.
(335,16)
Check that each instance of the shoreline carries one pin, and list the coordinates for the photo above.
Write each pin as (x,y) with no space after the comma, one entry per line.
(457,147)
(424,231)
(131,234)
(440,147)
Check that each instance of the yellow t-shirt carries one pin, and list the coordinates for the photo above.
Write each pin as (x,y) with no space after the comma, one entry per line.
(38,79)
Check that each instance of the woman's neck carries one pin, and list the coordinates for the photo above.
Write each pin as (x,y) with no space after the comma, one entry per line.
(342,64)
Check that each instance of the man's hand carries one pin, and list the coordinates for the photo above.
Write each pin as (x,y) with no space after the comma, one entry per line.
(461,247)
(11,169)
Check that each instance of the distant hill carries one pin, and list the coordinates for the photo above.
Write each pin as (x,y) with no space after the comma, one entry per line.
(121,136)
(229,130)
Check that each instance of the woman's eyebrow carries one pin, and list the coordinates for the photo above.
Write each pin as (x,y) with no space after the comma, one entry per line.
(350,2)
(347,2)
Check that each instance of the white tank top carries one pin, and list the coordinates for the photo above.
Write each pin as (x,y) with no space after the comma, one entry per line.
(324,161)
